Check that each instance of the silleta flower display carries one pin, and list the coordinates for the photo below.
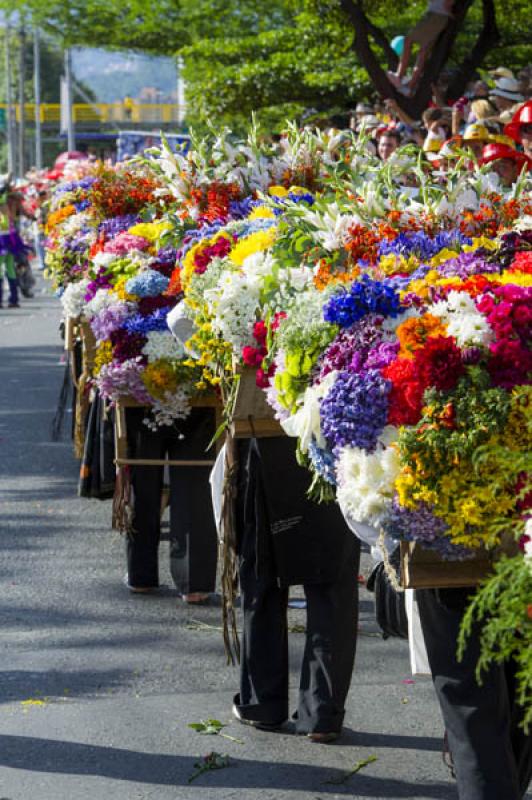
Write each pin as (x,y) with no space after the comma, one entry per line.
(388,320)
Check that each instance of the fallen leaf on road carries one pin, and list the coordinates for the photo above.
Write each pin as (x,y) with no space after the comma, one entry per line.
(358,766)
(209,762)
(34,702)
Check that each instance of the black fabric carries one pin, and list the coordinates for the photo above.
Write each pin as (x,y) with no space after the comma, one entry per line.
(193,541)
(97,471)
(77,358)
(491,753)
(331,593)
(59,416)
(299,540)
(390,610)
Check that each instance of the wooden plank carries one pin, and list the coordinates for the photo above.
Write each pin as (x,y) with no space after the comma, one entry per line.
(256,428)
(71,331)
(422,568)
(250,400)
(162,462)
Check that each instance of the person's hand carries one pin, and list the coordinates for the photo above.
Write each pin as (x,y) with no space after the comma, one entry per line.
(390,104)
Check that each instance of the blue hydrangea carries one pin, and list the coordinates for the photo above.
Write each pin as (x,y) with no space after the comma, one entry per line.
(355,410)
(149,283)
(365,296)
(422,245)
(144,324)
(323,462)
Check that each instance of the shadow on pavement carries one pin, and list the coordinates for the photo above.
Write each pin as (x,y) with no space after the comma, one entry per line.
(20,685)
(72,758)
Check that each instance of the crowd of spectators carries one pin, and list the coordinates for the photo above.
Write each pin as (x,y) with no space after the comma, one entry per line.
(492,120)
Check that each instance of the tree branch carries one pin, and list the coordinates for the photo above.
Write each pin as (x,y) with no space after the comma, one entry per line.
(487,39)
(363,28)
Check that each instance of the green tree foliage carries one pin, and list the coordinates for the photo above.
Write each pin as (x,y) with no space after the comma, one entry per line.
(276,57)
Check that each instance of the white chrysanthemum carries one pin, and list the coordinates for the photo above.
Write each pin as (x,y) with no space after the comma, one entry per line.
(234,303)
(103,259)
(366,481)
(470,330)
(73,298)
(463,321)
(161,344)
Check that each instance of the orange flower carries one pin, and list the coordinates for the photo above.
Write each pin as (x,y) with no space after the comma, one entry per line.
(414,332)
(326,275)
(58,216)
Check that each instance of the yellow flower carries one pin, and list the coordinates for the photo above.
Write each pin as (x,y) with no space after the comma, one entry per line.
(119,289)
(480,241)
(262,212)
(255,243)
(160,378)
(517,278)
(443,256)
(152,231)
(104,354)
(278,191)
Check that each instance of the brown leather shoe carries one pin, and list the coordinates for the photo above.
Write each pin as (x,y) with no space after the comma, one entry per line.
(323,738)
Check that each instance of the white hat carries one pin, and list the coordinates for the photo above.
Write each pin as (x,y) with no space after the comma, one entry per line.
(502,72)
(508,88)
(370,121)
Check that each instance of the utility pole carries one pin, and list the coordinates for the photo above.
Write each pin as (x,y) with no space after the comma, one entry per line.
(37,96)
(10,121)
(71,138)
(180,92)
(21,100)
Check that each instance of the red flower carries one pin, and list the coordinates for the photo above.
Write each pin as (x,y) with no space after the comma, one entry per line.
(262,378)
(253,356)
(260,332)
(406,396)
(510,363)
(439,363)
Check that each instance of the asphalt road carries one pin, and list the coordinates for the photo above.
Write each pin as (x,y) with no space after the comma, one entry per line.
(97,686)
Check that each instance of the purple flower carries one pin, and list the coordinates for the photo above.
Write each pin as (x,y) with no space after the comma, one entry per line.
(123,379)
(355,410)
(109,320)
(112,227)
(101,281)
(467,264)
(351,347)
(423,526)
(381,355)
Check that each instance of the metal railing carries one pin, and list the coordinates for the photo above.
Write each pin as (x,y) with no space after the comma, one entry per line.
(102,112)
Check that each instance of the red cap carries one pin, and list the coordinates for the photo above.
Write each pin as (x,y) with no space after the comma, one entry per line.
(495,151)
(523,116)
(69,155)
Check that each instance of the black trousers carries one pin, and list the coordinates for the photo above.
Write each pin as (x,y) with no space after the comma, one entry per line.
(193,539)
(332,613)
(491,753)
